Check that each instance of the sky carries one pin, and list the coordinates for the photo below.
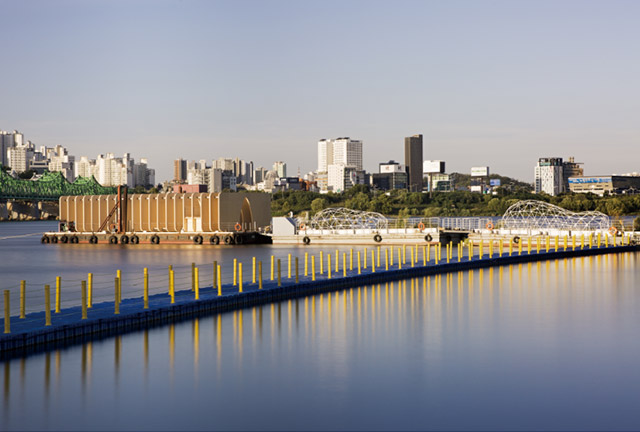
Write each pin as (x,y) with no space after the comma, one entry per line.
(487,82)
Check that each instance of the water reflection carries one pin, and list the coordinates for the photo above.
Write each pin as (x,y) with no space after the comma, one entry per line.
(549,327)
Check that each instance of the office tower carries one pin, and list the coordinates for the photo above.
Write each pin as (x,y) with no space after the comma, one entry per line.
(180,170)
(413,162)
(280,168)
(548,175)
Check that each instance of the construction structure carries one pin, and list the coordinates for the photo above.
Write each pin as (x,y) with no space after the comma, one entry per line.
(212,218)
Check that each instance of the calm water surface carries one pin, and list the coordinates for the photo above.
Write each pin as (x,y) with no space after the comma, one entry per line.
(550,345)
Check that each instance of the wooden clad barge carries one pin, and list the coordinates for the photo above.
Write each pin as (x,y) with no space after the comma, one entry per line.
(199,218)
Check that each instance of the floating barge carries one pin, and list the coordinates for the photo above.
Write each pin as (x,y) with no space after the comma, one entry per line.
(175,218)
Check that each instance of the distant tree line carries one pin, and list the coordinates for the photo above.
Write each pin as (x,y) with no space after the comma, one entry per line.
(458,203)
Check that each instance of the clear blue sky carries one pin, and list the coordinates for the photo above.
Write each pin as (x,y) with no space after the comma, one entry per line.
(496,83)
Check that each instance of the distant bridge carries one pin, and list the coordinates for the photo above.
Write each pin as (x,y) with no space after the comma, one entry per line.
(49,187)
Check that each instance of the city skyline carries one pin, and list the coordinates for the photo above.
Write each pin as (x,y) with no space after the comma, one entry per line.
(487,83)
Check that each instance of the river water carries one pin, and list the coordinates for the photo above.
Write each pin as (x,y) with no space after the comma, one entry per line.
(549,345)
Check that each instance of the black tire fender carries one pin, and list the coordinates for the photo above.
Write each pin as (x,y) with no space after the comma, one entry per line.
(306,240)
(428,238)
(113,240)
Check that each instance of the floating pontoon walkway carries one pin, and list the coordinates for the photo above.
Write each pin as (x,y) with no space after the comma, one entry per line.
(30,333)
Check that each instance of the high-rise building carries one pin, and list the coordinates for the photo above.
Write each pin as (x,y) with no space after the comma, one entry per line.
(571,168)
(180,170)
(549,177)
(392,175)
(346,154)
(413,162)
(280,168)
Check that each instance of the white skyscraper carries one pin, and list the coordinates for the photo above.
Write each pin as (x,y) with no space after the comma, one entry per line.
(340,160)
(548,175)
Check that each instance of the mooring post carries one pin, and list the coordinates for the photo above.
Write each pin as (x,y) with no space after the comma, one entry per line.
(297,272)
(273,265)
(83,288)
(399,258)
(364,266)
(235,271)
(90,290)
(351,259)
(193,276)
(240,277)
(58,287)
(321,263)
(378,256)
(196,281)
(215,277)
(289,266)
(279,274)
(23,298)
(260,274)
(146,288)
(172,287)
(7,311)
(47,306)
(329,265)
(344,264)
(337,261)
(115,297)
(219,274)
(313,267)
(253,270)
(359,271)
(424,256)
(373,262)
(306,264)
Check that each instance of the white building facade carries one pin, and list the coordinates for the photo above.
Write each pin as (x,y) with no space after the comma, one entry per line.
(548,176)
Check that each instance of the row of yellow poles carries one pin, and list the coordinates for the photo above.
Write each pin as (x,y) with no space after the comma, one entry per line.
(362,260)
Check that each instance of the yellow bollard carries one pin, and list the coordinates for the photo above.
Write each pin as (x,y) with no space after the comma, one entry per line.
(170,270)
(459,252)
(279,273)
(573,242)
(429,253)
(359,262)
(501,247)
(272,266)
(146,288)
(235,271)
(404,254)
(364,261)
(606,241)
(297,274)
(582,241)
(197,282)
(329,266)
(546,244)
(391,257)
(373,261)
(386,259)
(90,290)
(289,266)
(7,311)
(58,287)
(172,286)
(215,277)
(351,259)
(424,256)
(260,274)
(23,296)
(306,267)
(378,256)
(591,242)
(219,274)
(412,261)
(253,270)
(520,248)
(399,258)
(344,264)
(538,244)
(239,277)
(116,304)
(490,249)
(313,267)
(321,263)
(83,286)
(597,240)
(481,249)
(119,287)
(47,306)
(193,276)
(337,261)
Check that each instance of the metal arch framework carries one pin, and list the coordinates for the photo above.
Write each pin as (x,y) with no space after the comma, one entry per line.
(532,214)
(49,187)
(346,219)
